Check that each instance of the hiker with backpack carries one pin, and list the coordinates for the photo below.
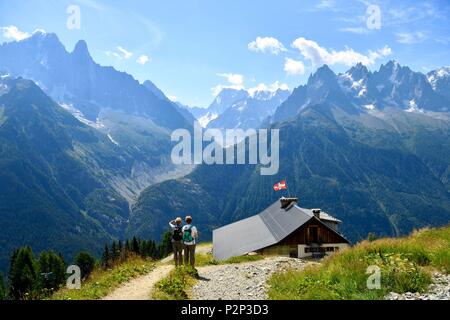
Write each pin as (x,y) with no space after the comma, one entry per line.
(177,241)
(190,236)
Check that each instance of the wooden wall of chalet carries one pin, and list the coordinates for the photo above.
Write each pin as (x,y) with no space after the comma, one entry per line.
(303,235)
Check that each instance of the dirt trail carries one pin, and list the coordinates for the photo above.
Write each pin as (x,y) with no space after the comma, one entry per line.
(140,288)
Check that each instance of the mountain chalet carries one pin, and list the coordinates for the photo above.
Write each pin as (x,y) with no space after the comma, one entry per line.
(282,229)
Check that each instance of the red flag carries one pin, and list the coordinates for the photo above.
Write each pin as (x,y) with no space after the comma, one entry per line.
(280,185)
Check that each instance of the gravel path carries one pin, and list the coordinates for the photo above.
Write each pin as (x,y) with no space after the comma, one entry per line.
(140,288)
(240,281)
(439,290)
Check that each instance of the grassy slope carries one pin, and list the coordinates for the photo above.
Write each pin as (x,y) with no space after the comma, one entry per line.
(404,262)
(101,282)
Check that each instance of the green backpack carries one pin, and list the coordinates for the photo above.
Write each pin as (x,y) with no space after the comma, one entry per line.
(187,235)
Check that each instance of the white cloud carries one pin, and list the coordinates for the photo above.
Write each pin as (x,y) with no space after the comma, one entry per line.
(420,13)
(410,37)
(120,54)
(143,59)
(271,87)
(113,54)
(125,54)
(318,55)
(442,40)
(13,33)
(172,98)
(293,67)
(235,81)
(380,53)
(357,30)
(233,78)
(41,31)
(326,4)
(266,44)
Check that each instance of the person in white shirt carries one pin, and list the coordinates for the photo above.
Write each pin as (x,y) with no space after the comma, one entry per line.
(190,235)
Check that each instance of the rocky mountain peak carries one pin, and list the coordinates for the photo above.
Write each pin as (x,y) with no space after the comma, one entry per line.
(359,71)
(81,49)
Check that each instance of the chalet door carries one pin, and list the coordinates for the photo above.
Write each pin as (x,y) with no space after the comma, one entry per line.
(313,234)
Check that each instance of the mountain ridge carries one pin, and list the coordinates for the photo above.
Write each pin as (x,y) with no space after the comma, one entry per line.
(75,78)
(360,90)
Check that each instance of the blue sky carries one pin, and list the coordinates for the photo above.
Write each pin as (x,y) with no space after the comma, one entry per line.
(196,47)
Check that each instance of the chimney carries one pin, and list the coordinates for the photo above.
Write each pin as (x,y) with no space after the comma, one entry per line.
(287,203)
(316,213)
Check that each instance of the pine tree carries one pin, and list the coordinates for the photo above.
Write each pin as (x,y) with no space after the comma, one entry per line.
(114,252)
(52,271)
(153,250)
(23,274)
(148,248)
(121,250)
(58,267)
(157,251)
(371,236)
(2,288)
(135,245)
(86,262)
(12,260)
(105,257)
(165,248)
(143,248)
(127,249)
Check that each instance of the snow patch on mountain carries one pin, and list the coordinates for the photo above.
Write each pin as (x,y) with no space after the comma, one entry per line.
(207,118)
(240,105)
(343,81)
(3,89)
(395,69)
(112,139)
(437,75)
(349,85)
(80,116)
(369,106)
(413,107)
(362,92)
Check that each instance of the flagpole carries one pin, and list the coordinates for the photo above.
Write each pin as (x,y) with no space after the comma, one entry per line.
(289,191)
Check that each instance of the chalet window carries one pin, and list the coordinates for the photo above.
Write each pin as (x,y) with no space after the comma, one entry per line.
(314,249)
